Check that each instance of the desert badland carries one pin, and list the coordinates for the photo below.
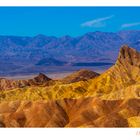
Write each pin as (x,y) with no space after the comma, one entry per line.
(82,99)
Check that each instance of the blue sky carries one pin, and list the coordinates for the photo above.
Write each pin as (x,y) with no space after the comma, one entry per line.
(73,21)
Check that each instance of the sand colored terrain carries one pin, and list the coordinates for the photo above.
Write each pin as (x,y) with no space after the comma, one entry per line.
(83,112)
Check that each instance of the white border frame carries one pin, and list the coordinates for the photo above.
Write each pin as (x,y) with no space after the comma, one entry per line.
(70,134)
(69,2)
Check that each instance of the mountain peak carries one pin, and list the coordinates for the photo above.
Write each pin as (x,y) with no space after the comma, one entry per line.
(41,78)
(128,55)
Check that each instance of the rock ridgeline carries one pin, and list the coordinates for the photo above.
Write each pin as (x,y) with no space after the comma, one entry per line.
(81,75)
(6,84)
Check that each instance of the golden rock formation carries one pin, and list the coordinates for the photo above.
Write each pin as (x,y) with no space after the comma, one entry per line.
(83,112)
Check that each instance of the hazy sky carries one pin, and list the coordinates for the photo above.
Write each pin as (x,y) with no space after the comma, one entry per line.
(73,21)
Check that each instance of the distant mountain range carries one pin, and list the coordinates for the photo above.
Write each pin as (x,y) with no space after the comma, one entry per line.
(94,48)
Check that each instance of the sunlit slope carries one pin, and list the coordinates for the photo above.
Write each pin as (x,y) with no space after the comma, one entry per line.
(82,112)
(120,81)
(50,89)
(39,80)
(57,91)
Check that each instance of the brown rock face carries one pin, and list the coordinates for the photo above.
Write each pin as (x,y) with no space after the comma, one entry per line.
(38,80)
(83,112)
(128,65)
(41,78)
(81,75)
(129,56)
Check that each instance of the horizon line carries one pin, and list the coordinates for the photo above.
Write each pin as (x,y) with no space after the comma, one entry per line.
(41,34)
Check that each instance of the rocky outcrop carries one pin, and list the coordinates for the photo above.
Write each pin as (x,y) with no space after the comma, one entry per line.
(129,56)
(6,84)
(40,79)
(121,80)
(81,75)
